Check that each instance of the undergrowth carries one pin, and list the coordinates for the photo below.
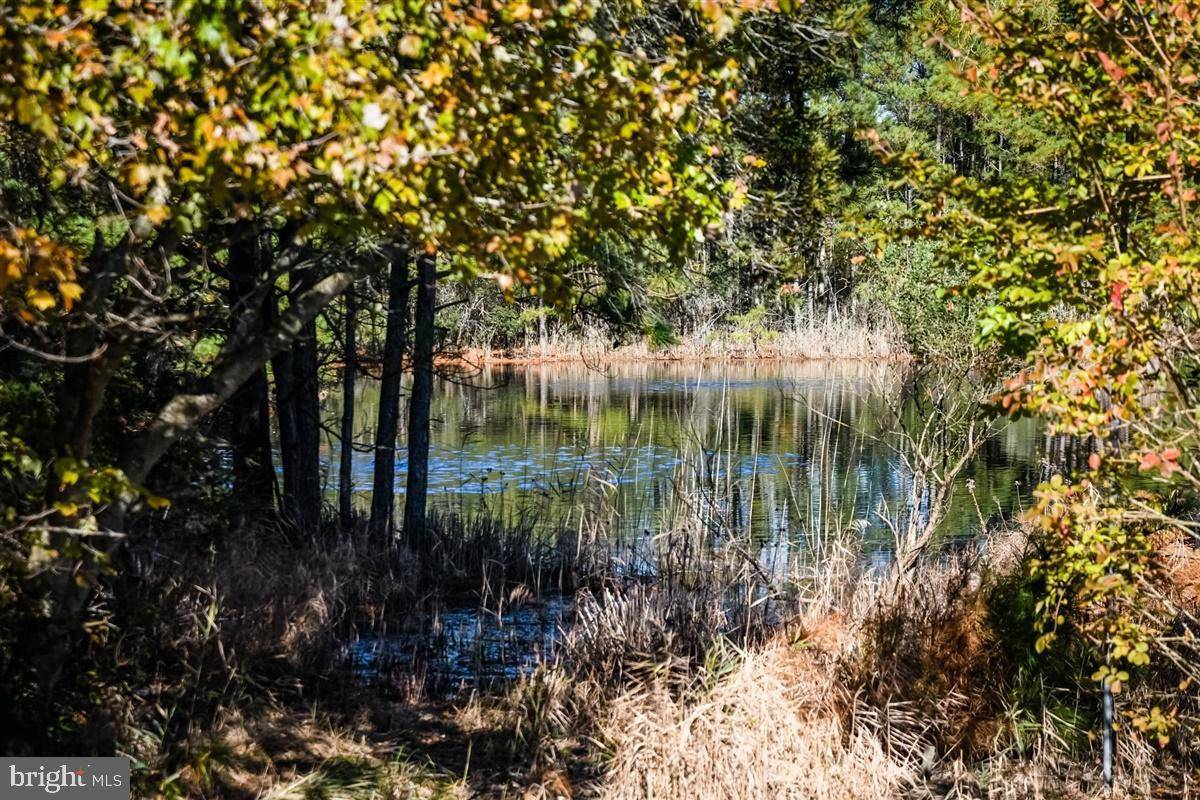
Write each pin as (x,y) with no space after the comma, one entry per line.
(696,675)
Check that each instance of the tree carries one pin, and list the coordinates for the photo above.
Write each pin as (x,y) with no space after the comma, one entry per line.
(346,433)
(1091,272)
(249,407)
(421,401)
(387,425)
(299,406)
(434,121)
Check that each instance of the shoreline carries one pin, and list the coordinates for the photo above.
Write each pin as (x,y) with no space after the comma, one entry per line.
(845,341)
(476,357)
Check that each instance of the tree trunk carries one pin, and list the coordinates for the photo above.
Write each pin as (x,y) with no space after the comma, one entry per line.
(420,402)
(248,410)
(298,406)
(81,393)
(79,398)
(181,413)
(289,437)
(349,367)
(383,488)
(250,435)
(305,373)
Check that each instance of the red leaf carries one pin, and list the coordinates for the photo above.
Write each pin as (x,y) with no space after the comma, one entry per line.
(1118,295)
(1114,70)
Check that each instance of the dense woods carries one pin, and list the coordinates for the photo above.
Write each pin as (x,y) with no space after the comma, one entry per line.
(219,220)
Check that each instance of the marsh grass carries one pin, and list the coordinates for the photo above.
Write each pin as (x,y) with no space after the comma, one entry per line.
(698,674)
(863,692)
(843,338)
(696,659)
(260,623)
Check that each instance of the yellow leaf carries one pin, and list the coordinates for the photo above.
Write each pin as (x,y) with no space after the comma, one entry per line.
(157,214)
(154,501)
(41,300)
(434,74)
(70,290)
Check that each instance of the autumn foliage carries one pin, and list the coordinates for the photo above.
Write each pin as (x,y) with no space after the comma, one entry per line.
(1089,273)
(503,131)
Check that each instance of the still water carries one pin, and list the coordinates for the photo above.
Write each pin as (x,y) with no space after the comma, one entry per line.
(776,449)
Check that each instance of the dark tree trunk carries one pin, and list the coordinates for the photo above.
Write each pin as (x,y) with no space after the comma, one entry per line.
(298,406)
(84,382)
(289,437)
(305,372)
(309,418)
(95,352)
(384,477)
(349,367)
(79,398)
(250,434)
(248,410)
(420,401)
(234,366)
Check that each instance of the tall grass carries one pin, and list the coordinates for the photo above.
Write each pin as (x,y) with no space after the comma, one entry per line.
(712,672)
(692,672)
(861,692)
(841,338)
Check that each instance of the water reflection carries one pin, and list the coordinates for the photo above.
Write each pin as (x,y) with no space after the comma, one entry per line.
(467,646)
(779,450)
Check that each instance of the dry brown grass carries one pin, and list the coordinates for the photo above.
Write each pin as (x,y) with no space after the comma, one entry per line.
(283,754)
(841,339)
(1179,559)
(293,755)
(872,686)
(892,688)
(764,731)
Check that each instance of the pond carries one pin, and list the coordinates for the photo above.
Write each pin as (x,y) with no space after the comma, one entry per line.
(778,449)
(779,453)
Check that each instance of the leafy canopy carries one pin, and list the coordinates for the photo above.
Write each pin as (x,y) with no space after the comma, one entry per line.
(1090,267)
(505,131)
